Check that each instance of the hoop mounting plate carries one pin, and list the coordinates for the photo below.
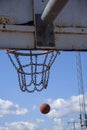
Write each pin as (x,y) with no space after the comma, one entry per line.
(44,34)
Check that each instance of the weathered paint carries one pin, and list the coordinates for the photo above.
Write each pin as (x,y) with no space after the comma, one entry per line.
(52,9)
(73,14)
(16,11)
(71,39)
(70,26)
(17,37)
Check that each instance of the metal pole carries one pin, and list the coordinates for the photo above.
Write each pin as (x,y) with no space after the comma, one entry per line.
(52,9)
(73,124)
(81,91)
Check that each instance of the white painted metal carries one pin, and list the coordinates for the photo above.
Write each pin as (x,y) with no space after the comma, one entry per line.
(52,9)
(73,14)
(68,38)
(39,6)
(16,11)
(70,26)
(17,37)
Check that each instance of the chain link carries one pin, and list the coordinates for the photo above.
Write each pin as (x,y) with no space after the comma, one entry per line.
(35,70)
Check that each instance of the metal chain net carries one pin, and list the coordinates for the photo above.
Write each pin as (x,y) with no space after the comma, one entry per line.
(33,68)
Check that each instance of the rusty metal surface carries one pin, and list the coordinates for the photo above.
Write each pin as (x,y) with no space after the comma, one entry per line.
(16,11)
(70,26)
(44,33)
(73,14)
(71,39)
(17,37)
(4,20)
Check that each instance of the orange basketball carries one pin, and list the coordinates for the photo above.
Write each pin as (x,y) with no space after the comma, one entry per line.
(45,108)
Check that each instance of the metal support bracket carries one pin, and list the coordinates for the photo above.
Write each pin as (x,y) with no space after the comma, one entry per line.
(44,33)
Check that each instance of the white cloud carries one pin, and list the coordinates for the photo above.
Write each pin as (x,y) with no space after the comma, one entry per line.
(65,108)
(59,103)
(62,107)
(19,126)
(8,107)
(59,109)
(57,121)
(56,127)
(34,107)
(39,120)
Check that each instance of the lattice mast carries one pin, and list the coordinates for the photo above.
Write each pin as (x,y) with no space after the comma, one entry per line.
(83,115)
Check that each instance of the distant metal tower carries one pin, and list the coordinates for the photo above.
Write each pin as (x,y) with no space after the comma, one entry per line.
(83,115)
(73,122)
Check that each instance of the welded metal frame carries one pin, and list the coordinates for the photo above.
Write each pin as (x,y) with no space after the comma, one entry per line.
(68,31)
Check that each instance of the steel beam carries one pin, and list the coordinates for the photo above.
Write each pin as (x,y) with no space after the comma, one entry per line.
(52,9)
(17,37)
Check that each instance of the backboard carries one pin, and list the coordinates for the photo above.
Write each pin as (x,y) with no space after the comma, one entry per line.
(19,24)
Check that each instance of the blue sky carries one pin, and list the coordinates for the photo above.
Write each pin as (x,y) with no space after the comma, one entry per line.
(20,110)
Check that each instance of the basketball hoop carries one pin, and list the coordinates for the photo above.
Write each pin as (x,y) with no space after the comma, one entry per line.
(33,68)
